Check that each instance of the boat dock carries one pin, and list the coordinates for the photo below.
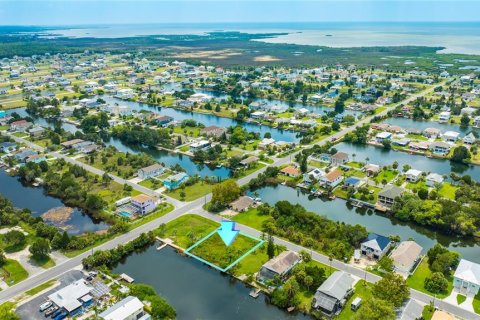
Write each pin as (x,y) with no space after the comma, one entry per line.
(254,293)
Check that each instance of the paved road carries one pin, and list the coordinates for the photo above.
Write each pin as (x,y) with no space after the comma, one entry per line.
(196,208)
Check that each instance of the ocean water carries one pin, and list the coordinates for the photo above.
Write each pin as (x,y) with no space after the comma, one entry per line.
(458,37)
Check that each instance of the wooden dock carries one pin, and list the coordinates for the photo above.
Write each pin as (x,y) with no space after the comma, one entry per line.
(254,293)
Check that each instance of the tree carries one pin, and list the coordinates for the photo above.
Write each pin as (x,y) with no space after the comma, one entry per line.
(270,247)
(387,144)
(225,192)
(160,309)
(436,283)
(386,264)
(15,240)
(460,155)
(375,309)
(40,247)
(392,288)
(440,259)
(339,106)
(422,193)
(94,202)
(464,120)
(3,259)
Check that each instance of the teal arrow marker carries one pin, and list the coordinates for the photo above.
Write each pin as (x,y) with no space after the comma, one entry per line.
(227,232)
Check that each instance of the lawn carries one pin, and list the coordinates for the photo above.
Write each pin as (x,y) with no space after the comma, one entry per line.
(461,298)
(447,191)
(192,192)
(417,279)
(388,175)
(251,218)
(476,303)
(188,229)
(160,211)
(362,290)
(41,287)
(13,272)
(214,250)
(253,262)
(418,185)
(427,312)
(42,261)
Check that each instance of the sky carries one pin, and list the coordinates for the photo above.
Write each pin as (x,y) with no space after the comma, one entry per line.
(77,12)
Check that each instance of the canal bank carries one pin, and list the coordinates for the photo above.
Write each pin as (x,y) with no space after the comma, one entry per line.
(195,290)
(339,210)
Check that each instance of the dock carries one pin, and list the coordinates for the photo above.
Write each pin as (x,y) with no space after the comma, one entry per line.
(163,245)
(254,293)
(125,277)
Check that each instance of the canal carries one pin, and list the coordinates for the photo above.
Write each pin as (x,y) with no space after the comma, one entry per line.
(35,199)
(195,290)
(340,210)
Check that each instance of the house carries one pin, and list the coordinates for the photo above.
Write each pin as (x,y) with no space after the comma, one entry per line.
(20,125)
(352,182)
(265,143)
(151,171)
(7,146)
(69,144)
(248,161)
(431,132)
(339,158)
(280,266)
(213,131)
(290,171)
(332,295)
(466,279)
(332,179)
(130,308)
(412,311)
(36,132)
(302,112)
(451,136)
(469,138)
(72,297)
(200,145)
(174,181)
(413,175)
(405,257)
(36,158)
(241,204)
(440,147)
(124,94)
(143,204)
(468,111)
(164,120)
(258,115)
(376,246)
(22,155)
(444,116)
(476,121)
(371,169)
(432,179)
(388,195)
(315,174)
(380,137)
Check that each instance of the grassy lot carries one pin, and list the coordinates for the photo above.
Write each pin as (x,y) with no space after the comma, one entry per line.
(388,175)
(44,262)
(40,288)
(13,272)
(341,193)
(192,192)
(251,218)
(418,185)
(253,262)
(215,251)
(362,290)
(317,164)
(447,191)
(417,279)
(188,229)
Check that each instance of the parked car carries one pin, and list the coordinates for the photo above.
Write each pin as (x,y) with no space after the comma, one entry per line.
(56,313)
(50,311)
(61,316)
(45,306)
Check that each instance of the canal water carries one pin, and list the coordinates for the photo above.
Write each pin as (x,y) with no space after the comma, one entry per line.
(34,199)
(407,123)
(339,210)
(195,290)
(382,157)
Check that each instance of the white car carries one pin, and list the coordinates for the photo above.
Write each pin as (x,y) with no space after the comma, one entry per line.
(45,306)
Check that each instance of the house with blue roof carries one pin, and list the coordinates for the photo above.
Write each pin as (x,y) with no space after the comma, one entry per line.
(375,246)
(174,181)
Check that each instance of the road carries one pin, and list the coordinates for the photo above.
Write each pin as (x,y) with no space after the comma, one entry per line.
(195,207)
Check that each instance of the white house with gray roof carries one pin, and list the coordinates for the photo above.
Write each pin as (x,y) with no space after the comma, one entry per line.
(279,266)
(130,308)
(332,295)
(466,279)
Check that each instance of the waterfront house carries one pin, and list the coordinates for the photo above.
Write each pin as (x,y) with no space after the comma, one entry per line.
(200,145)
(22,155)
(431,133)
(124,94)
(444,116)
(36,132)
(7,146)
(315,174)
(469,138)
(213,131)
(433,178)
(375,246)
(468,111)
(451,136)
(265,143)
(332,179)
(302,112)
(241,204)
(130,308)
(174,181)
(339,158)
(248,161)
(371,169)
(36,158)
(151,171)
(143,204)
(381,136)
(20,125)
(164,120)
(413,175)
(405,257)
(466,279)
(279,266)
(440,148)
(70,143)
(334,292)
(290,171)
(257,115)
(388,195)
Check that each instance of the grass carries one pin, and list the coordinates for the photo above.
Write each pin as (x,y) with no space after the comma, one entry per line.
(13,272)
(476,303)
(388,175)
(42,261)
(188,229)
(251,218)
(362,290)
(427,312)
(215,251)
(161,210)
(461,298)
(193,192)
(253,262)
(447,191)
(416,280)
(40,288)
